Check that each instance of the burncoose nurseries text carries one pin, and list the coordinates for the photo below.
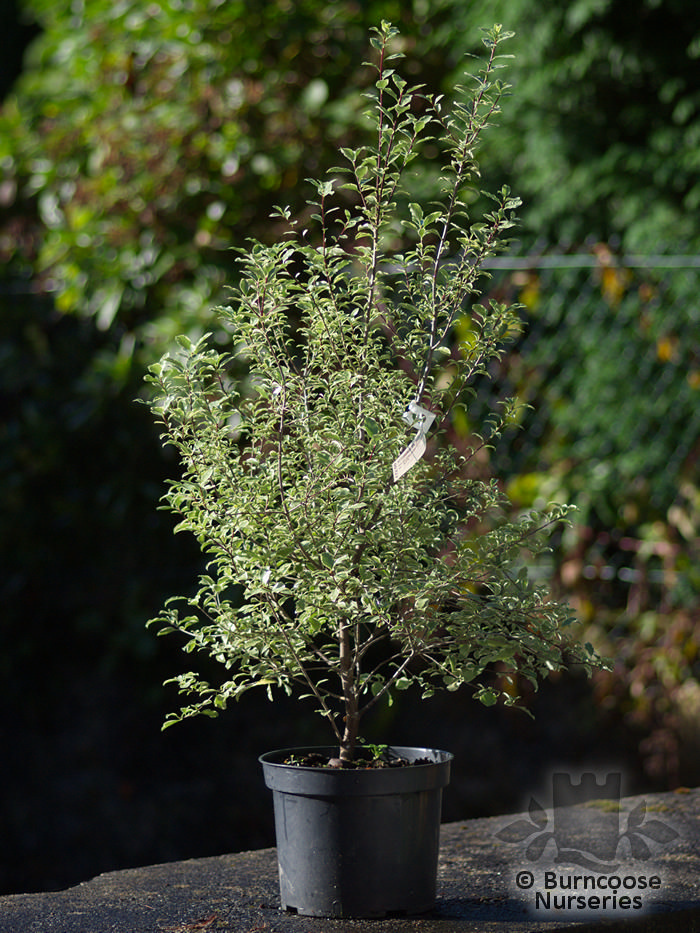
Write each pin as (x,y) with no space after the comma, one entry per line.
(589,893)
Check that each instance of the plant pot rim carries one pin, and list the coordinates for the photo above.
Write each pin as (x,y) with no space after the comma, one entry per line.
(309,780)
(438,756)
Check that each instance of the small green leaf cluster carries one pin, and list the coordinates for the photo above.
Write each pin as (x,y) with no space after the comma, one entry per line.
(327,576)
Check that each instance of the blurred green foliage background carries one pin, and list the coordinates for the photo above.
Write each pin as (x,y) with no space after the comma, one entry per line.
(139,142)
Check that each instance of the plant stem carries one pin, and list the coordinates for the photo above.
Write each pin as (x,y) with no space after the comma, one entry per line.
(347,679)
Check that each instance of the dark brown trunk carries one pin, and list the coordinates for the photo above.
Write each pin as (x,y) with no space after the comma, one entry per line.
(347,676)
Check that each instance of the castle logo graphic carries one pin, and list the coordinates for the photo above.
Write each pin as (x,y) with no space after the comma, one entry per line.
(587,826)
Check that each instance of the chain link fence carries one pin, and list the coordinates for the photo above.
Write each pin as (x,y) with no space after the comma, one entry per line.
(608,359)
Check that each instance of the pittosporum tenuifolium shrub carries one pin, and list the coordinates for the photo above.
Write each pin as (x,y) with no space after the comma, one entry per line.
(353,551)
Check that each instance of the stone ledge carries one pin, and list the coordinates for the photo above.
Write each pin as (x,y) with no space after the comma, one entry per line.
(476,887)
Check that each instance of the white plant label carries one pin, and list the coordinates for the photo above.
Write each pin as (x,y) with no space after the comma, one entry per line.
(409,457)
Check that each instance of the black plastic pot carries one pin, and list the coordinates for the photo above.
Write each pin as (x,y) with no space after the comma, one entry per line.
(357,842)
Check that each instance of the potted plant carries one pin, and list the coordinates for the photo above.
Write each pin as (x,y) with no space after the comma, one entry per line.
(354,550)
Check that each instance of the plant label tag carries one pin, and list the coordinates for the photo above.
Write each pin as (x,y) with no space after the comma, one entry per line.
(415,416)
(409,457)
